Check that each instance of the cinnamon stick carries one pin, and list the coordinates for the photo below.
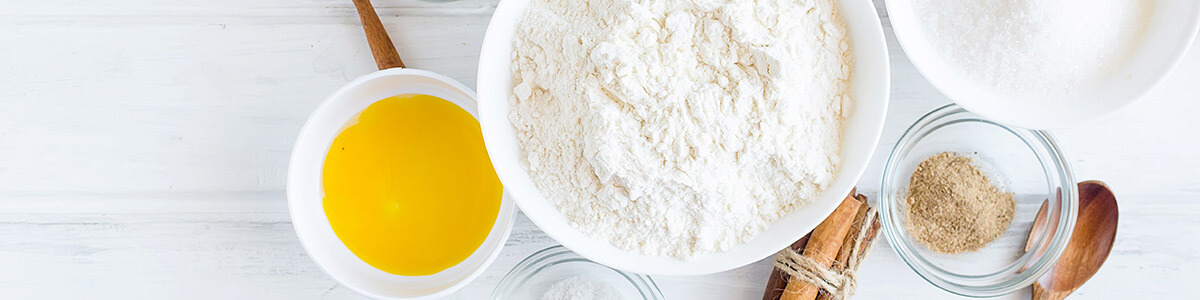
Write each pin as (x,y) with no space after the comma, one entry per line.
(824,246)
(843,256)
(778,279)
(871,233)
(848,246)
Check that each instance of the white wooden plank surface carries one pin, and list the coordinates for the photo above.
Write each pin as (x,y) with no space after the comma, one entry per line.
(144,145)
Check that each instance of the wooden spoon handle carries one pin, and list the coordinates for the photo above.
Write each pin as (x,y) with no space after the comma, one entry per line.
(377,37)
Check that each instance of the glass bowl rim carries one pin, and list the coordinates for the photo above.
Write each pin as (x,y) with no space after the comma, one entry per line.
(553,255)
(933,121)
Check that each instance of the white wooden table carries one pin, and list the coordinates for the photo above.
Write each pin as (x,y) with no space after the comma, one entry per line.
(144,146)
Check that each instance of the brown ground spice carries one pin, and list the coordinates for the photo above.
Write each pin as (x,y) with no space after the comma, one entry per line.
(953,208)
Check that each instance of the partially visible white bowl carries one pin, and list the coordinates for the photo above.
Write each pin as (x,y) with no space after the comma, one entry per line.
(1172,28)
(304,190)
(869,89)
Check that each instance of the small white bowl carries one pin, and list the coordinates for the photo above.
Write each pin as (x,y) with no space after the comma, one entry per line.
(305,194)
(869,88)
(1173,26)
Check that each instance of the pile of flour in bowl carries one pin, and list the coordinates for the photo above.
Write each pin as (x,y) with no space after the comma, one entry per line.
(680,127)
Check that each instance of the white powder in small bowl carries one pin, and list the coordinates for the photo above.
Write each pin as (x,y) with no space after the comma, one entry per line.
(580,288)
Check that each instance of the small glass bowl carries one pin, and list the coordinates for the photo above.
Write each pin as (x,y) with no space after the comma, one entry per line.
(532,277)
(1026,162)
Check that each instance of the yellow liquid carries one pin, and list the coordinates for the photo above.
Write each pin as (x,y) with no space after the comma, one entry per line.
(409,187)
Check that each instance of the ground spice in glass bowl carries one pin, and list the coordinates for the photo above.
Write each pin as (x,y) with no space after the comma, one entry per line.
(952,207)
(1026,163)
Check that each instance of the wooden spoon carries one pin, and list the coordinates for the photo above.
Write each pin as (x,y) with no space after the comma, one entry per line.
(377,37)
(1090,244)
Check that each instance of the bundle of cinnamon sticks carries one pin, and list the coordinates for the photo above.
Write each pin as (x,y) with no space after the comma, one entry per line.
(829,245)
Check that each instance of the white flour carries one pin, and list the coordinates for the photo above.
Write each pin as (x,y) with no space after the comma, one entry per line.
(580,288)
(1032,50)
(680,127)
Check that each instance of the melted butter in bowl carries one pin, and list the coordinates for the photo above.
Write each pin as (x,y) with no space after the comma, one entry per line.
(409,187)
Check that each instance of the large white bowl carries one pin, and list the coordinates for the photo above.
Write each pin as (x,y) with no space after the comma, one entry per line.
(869,88)
(305,194)
(1172,28)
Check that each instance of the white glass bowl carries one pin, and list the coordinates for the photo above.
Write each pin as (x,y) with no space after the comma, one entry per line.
(1025,162)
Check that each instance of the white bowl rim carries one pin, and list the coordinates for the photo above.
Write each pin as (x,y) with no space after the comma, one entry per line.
(872,67)
(505,218)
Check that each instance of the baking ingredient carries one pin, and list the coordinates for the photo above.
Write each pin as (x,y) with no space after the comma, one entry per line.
(823,246)
(409,188)
(854,249)
(678,127)
(1032,50)
(580,288)
(778,279)
(854,246)
(952,207)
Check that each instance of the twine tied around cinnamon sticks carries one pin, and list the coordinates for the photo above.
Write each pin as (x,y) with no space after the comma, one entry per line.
(827,258)
(839,284)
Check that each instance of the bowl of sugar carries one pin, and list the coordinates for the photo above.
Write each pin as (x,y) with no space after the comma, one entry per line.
(1044,64)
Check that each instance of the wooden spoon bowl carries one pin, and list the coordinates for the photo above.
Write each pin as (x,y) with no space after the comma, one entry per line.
(1090,244)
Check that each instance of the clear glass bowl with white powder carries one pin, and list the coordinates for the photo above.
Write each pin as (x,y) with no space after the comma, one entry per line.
(557,273)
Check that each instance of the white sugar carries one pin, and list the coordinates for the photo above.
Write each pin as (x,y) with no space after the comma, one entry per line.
(1035,49)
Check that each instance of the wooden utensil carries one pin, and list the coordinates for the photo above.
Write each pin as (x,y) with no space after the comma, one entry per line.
(1090,244)
(381,45)
(1039,224)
